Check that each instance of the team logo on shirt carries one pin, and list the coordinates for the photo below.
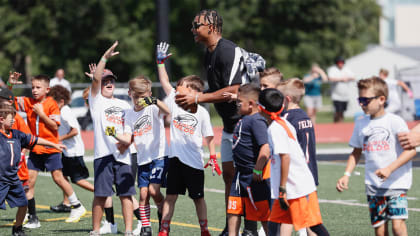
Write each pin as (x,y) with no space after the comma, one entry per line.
(142,125)
(186,123)
(376,139)
(237,134)
(114,115)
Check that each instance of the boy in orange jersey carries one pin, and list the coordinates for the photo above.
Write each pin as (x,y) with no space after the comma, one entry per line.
(43,116)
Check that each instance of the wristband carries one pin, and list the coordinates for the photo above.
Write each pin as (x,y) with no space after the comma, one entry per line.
(9,84)
(347,174)
(282,189)
(258,172)
(196,99)
(104,59)
(160,65)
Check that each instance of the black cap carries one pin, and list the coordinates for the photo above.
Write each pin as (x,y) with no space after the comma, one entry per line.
(339,59)
(6,94)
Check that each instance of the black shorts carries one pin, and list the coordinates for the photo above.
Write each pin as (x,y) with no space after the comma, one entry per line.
(134,164)
(340,106)
(182,177)
(75,168)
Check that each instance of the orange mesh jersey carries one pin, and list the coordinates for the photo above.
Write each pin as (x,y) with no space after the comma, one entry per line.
(21,125)
(35,123)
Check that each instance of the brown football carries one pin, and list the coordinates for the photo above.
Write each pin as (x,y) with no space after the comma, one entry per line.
(184,90)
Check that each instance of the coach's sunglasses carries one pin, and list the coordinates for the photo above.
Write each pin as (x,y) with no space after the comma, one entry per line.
(196,25)
(364,101)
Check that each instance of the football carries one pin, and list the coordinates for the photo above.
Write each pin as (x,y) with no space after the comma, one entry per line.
(184,90)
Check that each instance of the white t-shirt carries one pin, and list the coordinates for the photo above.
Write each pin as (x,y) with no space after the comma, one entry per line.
(300,181)
(108,112)
(340,90)
(149,133)
(75,146)
(63,82)
(380,145)
(394,100)
(187,132)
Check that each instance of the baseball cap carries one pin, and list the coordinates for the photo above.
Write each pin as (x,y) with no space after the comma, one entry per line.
(339,59)
(108,73)
(6,94)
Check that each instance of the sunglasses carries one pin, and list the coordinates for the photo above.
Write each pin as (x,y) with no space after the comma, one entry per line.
(364,101)
(106,81)
(196,25)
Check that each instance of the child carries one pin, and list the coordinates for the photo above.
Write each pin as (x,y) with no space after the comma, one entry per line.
(144,124)
(388,171)
(270,78)
(186,153)
(72,159)
(112,164)
(250,192)
(43,116)
(11,143)
(288,172)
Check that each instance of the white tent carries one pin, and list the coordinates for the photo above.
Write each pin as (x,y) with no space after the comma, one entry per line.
(369,63)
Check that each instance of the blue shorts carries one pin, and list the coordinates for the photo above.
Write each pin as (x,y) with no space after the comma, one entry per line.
(153,172)
(75,168)
(108,172)
(45,162)
(226,147)
(14,194)
(387,208)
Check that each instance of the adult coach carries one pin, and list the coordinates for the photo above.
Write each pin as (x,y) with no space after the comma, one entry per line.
(60,80)
(340,76)
(221,62)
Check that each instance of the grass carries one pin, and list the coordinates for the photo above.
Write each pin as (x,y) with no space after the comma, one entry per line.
(338,218)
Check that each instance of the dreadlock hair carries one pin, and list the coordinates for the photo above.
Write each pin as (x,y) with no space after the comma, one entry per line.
(212,18)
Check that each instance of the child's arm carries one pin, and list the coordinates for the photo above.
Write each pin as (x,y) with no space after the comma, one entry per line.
(161,56)
(73,132)
(39,110)
(405,87)
(45,142)
(124,138)
(405,156)
(354,158)
(285,164)
(263,156)
(210,144)
(97,76)
(213,159)
(163,108)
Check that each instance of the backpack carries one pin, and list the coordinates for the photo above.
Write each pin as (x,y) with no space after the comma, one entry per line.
(251,65)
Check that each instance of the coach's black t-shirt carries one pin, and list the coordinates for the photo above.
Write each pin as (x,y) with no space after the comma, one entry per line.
(306,137)
(222,70)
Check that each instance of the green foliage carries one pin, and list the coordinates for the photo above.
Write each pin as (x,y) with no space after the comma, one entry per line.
(41,36)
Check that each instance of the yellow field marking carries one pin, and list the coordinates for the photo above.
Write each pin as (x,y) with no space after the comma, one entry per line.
(89,214)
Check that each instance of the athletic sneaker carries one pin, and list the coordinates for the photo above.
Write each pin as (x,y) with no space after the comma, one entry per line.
(33,222)
(18,231)
(108,228)
(248,232)
(60,208)
(225,232)
(128,233)
(137,231)
(146,231)
(76,213)
(94,233)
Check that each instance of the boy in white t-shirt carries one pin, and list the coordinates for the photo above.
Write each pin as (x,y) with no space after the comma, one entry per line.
(388,173)
(72,158)
(186,169)
(289,171)
(144,125)
(112,162)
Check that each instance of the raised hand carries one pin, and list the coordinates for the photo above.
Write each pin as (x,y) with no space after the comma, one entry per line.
(147,101)
(111,51)
(161,52)
(92,68)
(14,78)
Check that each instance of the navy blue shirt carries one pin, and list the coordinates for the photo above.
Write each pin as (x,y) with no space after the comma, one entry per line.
(249,135)
(306,137)
(10,148)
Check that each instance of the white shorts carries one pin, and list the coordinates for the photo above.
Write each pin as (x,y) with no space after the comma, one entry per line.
(312,101)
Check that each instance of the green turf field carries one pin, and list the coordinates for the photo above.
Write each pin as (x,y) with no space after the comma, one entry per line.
(343,213)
